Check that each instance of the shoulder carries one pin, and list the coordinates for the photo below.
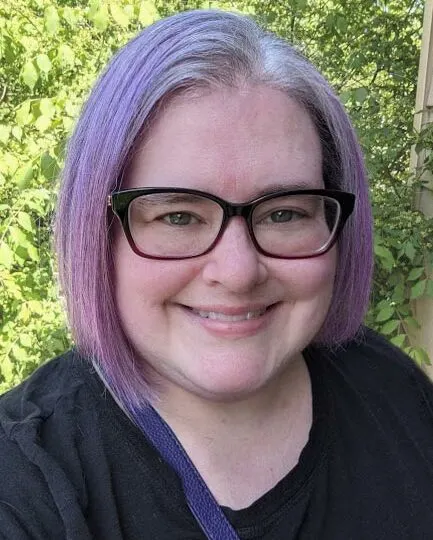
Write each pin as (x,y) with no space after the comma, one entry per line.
(41,423)
(56,386)
(370,351)
(375,369)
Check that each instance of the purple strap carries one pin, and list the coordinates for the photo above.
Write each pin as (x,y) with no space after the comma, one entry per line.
(200,500)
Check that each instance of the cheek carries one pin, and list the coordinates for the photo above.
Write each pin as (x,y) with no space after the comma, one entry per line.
(140,281)
(308,279)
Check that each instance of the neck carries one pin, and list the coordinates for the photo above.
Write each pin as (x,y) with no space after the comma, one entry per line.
(242,448)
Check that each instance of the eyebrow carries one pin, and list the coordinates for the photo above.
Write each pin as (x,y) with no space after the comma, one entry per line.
(293,186)
(169,198)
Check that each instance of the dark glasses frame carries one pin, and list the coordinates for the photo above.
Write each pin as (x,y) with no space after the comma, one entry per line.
(119,202)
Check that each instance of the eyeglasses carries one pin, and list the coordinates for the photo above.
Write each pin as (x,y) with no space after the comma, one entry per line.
(177,223)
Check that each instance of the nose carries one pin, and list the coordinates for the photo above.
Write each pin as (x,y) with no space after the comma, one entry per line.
(234,262)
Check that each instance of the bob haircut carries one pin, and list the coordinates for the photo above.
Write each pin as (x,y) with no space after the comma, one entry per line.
(189,52)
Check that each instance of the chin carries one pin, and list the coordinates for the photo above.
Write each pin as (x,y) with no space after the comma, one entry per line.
(228,379)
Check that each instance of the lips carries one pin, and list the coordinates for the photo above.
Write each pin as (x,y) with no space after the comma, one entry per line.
(231,322)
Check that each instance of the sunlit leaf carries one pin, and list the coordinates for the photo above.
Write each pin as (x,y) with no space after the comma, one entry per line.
(101,18)
(148,13)
(119,15)
(6,255)
(44,63)
(24,176)
(33,252)
(29,74)
(42,123)
(47,107)
(51,20)
(69,15)
(65,55)
(5,132)
(25,221)
(23,115)
(17,132)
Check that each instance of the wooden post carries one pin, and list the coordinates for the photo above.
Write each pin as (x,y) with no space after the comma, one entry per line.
(424,199)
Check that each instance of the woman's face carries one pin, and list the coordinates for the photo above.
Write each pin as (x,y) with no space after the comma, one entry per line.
(225,324)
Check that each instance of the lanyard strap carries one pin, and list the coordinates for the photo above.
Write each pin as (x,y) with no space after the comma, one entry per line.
(200,500)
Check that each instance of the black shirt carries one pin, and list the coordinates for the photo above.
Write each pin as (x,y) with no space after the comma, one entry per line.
(73,466)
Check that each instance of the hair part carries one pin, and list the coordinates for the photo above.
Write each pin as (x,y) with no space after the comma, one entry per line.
(188,52)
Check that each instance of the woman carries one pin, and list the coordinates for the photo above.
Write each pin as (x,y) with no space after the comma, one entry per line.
(214,245)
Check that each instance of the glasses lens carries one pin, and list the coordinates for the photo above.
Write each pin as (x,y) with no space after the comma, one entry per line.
(296,225)
(174,224)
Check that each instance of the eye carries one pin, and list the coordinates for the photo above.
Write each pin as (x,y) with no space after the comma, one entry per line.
(179,218)
(283,216)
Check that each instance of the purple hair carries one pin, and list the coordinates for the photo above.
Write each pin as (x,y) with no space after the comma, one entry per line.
(189,51)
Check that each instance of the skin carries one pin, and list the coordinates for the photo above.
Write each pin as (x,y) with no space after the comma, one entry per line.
(223,383)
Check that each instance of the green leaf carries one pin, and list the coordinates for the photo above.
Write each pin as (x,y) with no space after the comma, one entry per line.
(409,249)
(342,23)
(17,132)
(24,176)
(43,123)
(360,94)
(100,18)
(412,323)
(418,289)
(415,273)
(385,314)
(5,132)
(69,15)
(18,237)
(398,295)
(385,255)
(29,75)
(51,20)
(25,340)
(43,63)
(148,13)
(25,221)
(398,340)
(420,356)
(49,166)
(119,16)
(65,56)
(46,107)
(345,96)
(390,327)
(23,115)
(6,255)
(6,368)
(33,252)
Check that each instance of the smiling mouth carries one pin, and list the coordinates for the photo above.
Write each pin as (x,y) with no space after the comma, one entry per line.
(217,316)
(230,314)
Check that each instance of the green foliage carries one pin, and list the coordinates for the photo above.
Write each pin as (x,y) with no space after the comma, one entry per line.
(51,51)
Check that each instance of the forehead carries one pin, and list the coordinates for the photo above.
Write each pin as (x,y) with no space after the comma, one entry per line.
(231,142)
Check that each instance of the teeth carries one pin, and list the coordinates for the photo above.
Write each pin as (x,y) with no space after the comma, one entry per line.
(230,318)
